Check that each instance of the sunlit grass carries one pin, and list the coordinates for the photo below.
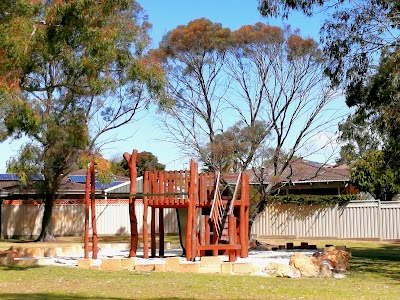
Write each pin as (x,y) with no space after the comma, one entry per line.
(374,274)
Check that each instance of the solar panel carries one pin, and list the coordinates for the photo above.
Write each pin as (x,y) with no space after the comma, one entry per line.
(36,177)
(77,178)
(99,185)
(9,177)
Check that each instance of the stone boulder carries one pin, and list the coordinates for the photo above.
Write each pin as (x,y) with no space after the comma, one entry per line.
(325,271)
(7,256)
(307,266)
(280,270)
(339,259)
(256,245)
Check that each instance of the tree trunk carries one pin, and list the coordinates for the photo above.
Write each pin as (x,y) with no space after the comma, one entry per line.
(46,234)
(131,160)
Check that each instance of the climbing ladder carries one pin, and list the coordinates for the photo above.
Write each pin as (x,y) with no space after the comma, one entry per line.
(221,210)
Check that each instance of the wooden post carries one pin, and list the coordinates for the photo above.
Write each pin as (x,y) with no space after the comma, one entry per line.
(161,231)
(244,223)
(189,227)
(232,236)
(153,231)
(93,209)
(87,207)
(146,190)
(131,160)
(195,211)
(207,230)
(161,216)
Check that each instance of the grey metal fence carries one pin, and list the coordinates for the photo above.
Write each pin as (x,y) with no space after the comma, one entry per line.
(24,220)
(367,219)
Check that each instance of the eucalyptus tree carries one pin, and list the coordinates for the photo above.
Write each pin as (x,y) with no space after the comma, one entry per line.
(193,57)
(71,71)
(353,33)
(280,81)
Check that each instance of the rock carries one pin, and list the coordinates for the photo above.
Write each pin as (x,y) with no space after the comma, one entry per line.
(325,271)
(256,245)
(280,270)
(8,255)
(308,266)
(338,258)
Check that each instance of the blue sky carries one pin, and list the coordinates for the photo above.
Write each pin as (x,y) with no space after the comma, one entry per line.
(165,16)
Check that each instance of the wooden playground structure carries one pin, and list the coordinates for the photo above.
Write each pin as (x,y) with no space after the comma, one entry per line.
(216,206)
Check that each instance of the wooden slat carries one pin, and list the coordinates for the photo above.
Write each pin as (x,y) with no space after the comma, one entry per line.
(219,247)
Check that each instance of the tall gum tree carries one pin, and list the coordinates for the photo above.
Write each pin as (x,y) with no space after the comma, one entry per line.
(361,39)
(279,80)
(193,57)
(353,33)
(71,71)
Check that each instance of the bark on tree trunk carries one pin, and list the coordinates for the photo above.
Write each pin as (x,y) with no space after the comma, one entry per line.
(46,234)
(131,160)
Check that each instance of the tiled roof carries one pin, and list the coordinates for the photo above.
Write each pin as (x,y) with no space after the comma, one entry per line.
(66,187)
(305,172)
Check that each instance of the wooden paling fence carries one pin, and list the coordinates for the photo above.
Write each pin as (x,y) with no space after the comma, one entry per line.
(369,219)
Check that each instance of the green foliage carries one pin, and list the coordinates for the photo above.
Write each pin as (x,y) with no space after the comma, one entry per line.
(360,137)
(353,34)
(306,200)
(231,150)
(145,161)
(71,71)
(29,161)
(372,174)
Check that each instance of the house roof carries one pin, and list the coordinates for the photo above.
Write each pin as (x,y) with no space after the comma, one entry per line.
(73,183)
(303,171)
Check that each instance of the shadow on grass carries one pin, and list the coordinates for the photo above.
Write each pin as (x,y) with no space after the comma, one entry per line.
(18,268)
(382,261)
(41,296)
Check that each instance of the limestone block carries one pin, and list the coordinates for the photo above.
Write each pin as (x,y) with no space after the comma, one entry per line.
(68,251)
(59,251)
(49,252)
(128,263)
(17,249)
(74,250)
(210,261)
(281,270)
(27,262)
(111,264)
(243,268)
(33,252)
(172,264)
(44,261)
(159,267)
(227,268)
(85,263)
(210,269)
(190,267)
(95,267)
(144,267)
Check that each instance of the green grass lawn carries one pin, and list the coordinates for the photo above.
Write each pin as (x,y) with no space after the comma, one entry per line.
(374,274)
